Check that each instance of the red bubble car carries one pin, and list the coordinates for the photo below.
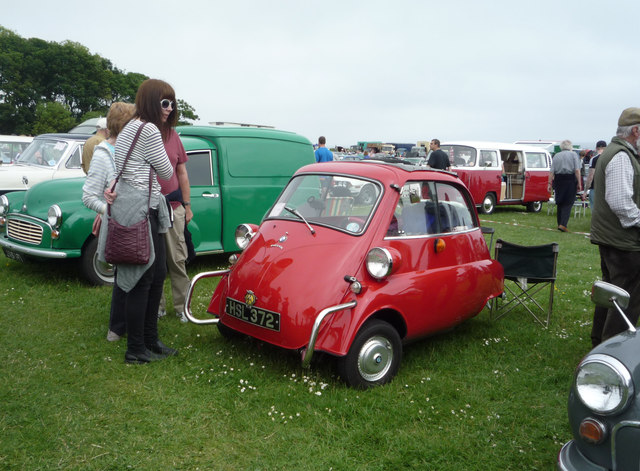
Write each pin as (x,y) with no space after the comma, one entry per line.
(354,259)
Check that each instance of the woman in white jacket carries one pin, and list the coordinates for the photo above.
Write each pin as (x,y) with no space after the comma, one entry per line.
(102,171)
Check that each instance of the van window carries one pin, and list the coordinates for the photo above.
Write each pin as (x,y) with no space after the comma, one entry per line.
(263,157)
(199,168)
(536,160)
(488,158)
(461,156)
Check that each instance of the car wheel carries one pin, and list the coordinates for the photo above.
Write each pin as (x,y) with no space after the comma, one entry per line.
(534,206)
(367,194)
(96,272)
(374,356)
(488,204)
(227,332)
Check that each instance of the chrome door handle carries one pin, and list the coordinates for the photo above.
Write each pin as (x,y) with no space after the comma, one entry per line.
(211,195)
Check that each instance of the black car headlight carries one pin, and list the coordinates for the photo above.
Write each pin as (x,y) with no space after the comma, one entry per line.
(603,384)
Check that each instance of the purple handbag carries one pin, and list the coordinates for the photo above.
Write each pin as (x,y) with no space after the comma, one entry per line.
(128,244)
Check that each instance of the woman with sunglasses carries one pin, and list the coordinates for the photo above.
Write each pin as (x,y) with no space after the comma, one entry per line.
(177,191)
(142,285)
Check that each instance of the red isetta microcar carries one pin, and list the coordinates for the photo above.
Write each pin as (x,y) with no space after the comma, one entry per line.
(354,259)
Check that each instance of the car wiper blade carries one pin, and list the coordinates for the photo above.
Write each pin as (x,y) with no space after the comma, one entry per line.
(295,212)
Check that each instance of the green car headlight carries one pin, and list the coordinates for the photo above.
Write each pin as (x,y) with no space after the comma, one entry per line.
(54,216)
(4,205)
(603,384)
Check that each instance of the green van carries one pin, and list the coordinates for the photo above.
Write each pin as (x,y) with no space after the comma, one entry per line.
(236,173)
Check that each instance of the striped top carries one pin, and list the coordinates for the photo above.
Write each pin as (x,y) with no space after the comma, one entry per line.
(148,152)
(101,172)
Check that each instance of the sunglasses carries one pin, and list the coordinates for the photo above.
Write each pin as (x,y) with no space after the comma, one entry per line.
(166,104)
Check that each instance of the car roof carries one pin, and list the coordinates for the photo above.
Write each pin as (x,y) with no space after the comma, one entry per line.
(494,145)
(240,131)
(69,136)
(13,138)
(389,169)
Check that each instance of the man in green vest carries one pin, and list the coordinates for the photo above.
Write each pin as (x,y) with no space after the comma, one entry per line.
(615,222)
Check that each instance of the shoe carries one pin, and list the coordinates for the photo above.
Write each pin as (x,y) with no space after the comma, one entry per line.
(161,349)
(112,336)
(141,358)
(563,229)
(161,313)
(182,317)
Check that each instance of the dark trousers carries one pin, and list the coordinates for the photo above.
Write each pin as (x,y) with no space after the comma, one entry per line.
(566,187)
(622,269)
(142,302)
(117,318)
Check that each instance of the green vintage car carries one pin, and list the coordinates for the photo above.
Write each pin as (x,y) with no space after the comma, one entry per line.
(236,173)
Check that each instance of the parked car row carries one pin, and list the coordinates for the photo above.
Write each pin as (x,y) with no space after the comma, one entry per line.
(235,175)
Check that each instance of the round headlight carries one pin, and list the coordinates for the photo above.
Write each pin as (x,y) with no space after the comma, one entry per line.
(244,233)
(379,263)
(603,384)
(4,205)
(54,216)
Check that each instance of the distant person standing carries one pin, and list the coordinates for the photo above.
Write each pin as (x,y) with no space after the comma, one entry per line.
(101,134)
(600,147)
(322,153)
(566,181)
(615,223)
(438,158)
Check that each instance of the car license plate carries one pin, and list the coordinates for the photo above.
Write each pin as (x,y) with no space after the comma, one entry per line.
(13,255)
(253,315)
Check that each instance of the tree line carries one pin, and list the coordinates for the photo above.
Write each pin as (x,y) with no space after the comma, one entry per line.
(47,86)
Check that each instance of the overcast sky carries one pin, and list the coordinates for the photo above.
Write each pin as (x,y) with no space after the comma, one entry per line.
(393,70)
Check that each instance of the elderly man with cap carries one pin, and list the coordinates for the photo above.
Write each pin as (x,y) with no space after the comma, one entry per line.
(101,134)
(615,222)
(600,147)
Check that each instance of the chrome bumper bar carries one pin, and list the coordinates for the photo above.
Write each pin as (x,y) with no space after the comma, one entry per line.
(35,252)
(187,302)
(308,353)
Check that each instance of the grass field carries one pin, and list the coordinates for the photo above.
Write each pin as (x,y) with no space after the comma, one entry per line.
(485,396)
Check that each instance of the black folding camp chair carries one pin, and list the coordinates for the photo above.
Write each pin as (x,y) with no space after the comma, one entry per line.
(528,272)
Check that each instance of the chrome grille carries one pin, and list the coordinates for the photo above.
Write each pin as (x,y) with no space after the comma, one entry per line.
(24,231)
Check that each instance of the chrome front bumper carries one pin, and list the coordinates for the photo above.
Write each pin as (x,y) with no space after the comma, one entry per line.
(36,251)
(307,353)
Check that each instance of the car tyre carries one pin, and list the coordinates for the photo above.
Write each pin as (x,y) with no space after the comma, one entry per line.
(374,356)
(227,332)
(488,204)
(96,272)
(534,206)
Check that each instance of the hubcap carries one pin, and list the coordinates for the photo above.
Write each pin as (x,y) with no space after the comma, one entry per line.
(375,358)
(103,269)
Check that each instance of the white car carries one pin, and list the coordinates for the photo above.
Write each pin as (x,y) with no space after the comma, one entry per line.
(11,147)
(48,156)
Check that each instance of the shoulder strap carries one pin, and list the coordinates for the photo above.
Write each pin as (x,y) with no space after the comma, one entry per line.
(126,159)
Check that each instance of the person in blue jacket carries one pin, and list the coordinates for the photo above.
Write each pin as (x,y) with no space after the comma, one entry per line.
(322,153)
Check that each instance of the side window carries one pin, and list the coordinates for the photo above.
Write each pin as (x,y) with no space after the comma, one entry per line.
(536,160)
(75,159)
(200,170)
(454,210)
(415,214)
(488,158)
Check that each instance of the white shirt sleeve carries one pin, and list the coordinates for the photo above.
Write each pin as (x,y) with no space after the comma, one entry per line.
(619,190)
